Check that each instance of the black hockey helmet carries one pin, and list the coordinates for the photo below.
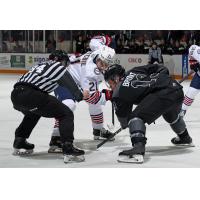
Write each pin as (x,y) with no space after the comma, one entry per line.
(60,55)
(113,71)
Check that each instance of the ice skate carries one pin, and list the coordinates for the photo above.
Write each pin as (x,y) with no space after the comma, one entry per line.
(55,145)
(72,154)
(183,139)
(134,155)
(22,147)
(102,134)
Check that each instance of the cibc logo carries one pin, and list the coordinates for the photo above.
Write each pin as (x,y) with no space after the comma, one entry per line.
(134,60)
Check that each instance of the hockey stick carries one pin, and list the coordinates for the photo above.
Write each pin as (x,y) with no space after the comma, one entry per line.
(186,77)
(113,115)
(112,126)
(113,135)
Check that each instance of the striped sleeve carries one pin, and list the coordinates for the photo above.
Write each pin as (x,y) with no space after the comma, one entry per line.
(97,98)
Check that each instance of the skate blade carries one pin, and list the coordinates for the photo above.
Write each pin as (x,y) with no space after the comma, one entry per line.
(72,159)
(22,152)
(101,138)
(55,149)
(185,145)
(134,159)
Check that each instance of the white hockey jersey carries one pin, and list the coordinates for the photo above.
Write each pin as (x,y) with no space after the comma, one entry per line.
(75,69)
(88,77)
(90,72)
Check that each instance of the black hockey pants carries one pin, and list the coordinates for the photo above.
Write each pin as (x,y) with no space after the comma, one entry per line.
(33,104)
(166,102)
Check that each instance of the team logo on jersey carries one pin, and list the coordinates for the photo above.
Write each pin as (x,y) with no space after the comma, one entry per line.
(96,71)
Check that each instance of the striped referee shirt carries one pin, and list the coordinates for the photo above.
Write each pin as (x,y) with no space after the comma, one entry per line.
(44,76)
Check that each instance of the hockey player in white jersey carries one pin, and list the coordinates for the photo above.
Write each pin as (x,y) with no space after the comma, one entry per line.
(88,75)
(194,89)
(93,65)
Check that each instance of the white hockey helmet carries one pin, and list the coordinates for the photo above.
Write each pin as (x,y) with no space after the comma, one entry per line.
(107,54)
(96,43)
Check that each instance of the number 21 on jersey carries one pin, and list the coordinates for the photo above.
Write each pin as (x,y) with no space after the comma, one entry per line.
(93,86)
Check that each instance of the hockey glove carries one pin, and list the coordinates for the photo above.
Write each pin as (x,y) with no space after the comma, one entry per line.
(194,65)
(108,94)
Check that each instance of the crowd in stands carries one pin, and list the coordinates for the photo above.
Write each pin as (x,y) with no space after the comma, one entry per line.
(123,41)
(139,42)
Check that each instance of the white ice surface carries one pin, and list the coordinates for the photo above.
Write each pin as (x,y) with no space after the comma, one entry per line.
(159,150)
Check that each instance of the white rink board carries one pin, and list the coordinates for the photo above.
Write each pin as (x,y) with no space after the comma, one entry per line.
(173,63)
(160,152)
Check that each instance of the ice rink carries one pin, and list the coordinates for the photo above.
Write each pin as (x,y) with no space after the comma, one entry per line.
(159,150)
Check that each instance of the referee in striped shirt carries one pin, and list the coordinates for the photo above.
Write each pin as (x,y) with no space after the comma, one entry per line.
(31,97)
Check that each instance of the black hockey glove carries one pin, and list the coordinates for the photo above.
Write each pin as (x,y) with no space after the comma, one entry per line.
(194,65)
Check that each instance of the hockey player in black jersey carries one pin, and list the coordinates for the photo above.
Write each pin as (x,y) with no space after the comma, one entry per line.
(154,92)
(31,97)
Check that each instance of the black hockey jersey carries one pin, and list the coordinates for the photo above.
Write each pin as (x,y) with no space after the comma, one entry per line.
(137,84)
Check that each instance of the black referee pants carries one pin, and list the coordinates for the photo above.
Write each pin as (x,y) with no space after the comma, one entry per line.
(34,104)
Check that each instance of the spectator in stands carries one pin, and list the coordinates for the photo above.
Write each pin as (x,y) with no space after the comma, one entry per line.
(162,46)
(113,44)
(143,48)
(87,46)
(140,47)
(133,46)
(80,46)
(147,47)
(179,48)
(123,44)
(120,46)
(18,48)
(50,44)
(170,47)
(155,54)
(126,47)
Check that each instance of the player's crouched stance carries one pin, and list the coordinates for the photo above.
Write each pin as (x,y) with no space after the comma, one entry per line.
(154,92)
(31,97)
